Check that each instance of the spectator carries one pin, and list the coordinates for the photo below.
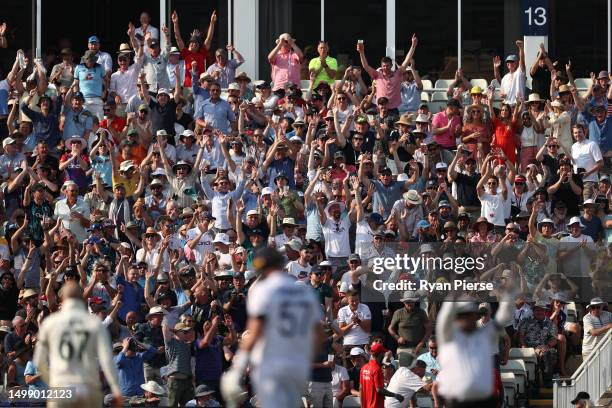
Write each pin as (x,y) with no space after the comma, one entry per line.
(513,83)
(285,59)
(92,79)
(130,365)
(596,324)
(355,322)
(539,333)
(387,82)
(223,71)
(410,326)
(197,50)
(324,67)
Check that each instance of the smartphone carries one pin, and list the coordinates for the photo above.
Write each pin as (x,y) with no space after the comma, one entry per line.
(139,37)
(21,60)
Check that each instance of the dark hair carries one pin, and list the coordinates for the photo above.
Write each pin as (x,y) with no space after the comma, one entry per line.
(387,60)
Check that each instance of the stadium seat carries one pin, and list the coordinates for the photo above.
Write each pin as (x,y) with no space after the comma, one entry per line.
(351,402)
(510,388)
(439,97)
(529,357)
(443,83)
(572,314)
(424,402)
(482,83)
(424,97)
(518,368)
(583,83)
(304,83)
(427,84)
(509,395)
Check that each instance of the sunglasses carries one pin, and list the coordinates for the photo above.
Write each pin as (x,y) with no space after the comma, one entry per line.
(492,183)
(358,138)
(552,146)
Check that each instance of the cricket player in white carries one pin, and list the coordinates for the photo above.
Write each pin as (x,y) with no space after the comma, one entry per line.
(71,344)
(284,318)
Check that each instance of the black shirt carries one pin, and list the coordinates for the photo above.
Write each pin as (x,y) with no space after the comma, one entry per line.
(567,195)
(466,189)
(540,82)
(323,374)
(163,117)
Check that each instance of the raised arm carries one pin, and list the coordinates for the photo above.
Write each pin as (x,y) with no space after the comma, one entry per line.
(364,62)
(211,30)
(177,31)
(496,68)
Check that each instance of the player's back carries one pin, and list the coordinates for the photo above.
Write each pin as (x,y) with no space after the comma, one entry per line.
(291,311)
(71,338)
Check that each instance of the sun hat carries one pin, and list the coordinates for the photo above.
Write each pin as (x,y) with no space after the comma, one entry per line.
(575,220)
(410,296)
(153,387)
(413,197)
(595,302)
(405,119)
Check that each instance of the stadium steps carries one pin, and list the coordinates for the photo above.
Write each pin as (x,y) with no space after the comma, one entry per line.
(606,399)
(544,398)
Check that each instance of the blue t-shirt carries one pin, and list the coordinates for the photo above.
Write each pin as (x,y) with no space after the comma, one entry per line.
(593,228)
(39,384)
(4,93)
(91,80)
(209,360)
(387,196)
(131,371)
(133,297)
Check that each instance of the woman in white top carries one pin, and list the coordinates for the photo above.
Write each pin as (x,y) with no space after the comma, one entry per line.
(532,134)
(561,123)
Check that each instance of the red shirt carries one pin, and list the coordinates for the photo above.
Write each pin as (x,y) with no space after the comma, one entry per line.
(370,380)
(199,57)
(117,124)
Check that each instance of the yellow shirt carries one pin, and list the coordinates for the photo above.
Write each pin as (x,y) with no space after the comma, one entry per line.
(315,65)
(130,184)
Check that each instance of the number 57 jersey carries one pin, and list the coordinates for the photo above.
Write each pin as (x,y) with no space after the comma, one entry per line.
(71,344)
(290,311)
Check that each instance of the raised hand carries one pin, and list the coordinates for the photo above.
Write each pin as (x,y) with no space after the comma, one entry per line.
(414,40)
(519,44)
(131,30)
(174,17)
(213,17)
(496,61)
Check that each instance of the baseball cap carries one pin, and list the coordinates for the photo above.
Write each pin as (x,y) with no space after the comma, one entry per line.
(423,224)
(511,58)
(376,218)
(357,351)
(93,39)
(377,348)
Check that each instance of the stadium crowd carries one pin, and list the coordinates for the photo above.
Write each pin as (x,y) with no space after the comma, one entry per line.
(152,177)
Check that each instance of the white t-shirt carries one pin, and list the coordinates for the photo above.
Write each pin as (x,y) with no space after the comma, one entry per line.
(345,281)
(204,246)
(339,374)
(281,239)
(364,236)
(586,154)
(355,336)
(336,234)
(405,383)
(290,311)
(298,271)
(513,85)
(493,208)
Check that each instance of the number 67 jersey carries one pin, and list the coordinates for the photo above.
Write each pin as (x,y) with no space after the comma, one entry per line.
(290,311)
(71,344)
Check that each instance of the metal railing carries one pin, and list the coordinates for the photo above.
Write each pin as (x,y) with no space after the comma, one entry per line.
(593,376)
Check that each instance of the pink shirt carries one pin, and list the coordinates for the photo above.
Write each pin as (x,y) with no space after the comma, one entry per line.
(285,68)
(389,87)
(446,139)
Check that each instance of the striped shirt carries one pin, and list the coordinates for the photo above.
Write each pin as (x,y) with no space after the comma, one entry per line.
(592,322)
(179,357)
